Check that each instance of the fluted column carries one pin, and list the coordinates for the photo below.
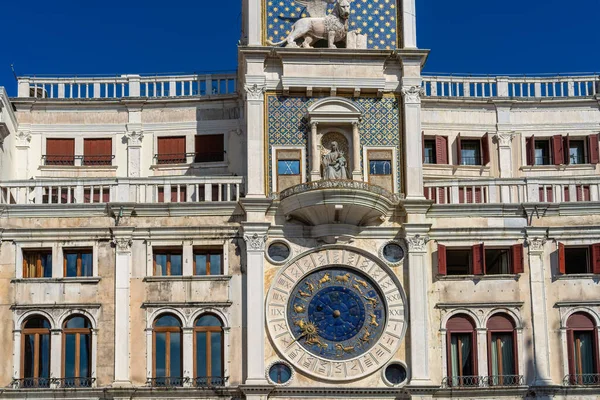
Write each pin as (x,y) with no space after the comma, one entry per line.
(122,288)
(315,162)
(539,313)
(413,146)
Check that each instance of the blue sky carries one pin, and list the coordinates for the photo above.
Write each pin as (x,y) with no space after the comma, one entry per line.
(70,37)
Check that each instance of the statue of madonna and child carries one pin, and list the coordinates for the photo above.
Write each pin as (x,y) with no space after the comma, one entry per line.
(334,163)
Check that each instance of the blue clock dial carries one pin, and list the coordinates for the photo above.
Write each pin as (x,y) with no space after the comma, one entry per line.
(336,313)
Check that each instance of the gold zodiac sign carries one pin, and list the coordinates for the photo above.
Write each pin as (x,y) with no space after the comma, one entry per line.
(326,278)
(309,331)
(373,320)
(371,300)
(355,286)
(343,278)
(298,308)
(303,294)
(366,337)
(343,349)
(363,283)
(310,286)
(315,341)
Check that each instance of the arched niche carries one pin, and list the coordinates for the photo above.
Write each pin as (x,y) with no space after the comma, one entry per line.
(334,114)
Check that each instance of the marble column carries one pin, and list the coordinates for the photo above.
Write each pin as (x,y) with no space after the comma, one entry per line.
(22,154)
(418,276)
(504,140)
(413,146)
(482,352)
(356,174)
(122,328)
(315,162)
(134,153)
(256,140)
(539,313)
(253,22)
(188,355)
(255,236)
(56,355)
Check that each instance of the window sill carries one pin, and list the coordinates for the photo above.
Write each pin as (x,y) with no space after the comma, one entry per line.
(576,276)
(78,167)
(86,280)
(449,170)
(512,277)
(167,167)
(200,278)
(554,168)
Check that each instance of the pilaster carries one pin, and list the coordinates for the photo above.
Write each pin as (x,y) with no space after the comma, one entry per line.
(536,243)
(409,24)
(255,103)
(22,145)
(315,173)
(356,174)
(134,151)
(413,146)
(504,140)
(55,353)
(122,242)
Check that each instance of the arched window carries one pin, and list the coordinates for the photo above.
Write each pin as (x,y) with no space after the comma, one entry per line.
(461,351)
(208,348)
(582,336)
(77,352)
(167,361)
(35,350)
(502,351)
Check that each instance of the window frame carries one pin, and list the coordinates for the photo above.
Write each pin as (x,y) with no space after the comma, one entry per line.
(208,329)
(79,251)
(208,251)
(168,330)
(36,332)
(39,267)
(77,332)
(484,150)
(168,251)
(474,350)
(490,332)
(92,159)
(576,378)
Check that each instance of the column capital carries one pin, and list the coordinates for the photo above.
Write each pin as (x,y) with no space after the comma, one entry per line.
(535,245)
(134,138)
(255,241)
(255,92)
(23,138)
(123,244)
(504,138)
(314,124)
(412,94)
(417,243)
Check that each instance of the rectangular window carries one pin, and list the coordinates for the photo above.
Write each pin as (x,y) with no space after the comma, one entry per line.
(171,150)
(288,167)
(470,152)
(583,352)
(576,151)
(497,261)
(210,148)
(60,152)
(502,361)
(208,262)
(97,152)
(429,150)
(577,260)
(461,359)
(380,167)
(168,262)
(542,152)
(37,263)
(78,262)
(458,261)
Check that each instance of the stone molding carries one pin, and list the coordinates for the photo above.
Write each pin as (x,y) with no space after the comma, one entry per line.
(255,92)
(504,138)
(412,94)
(417,243)
(339,184)
(255,241)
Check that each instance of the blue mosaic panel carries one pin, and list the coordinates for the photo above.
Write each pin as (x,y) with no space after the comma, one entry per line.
(376,18)
(287,124)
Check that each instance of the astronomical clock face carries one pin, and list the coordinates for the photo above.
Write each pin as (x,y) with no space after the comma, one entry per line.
(336,314)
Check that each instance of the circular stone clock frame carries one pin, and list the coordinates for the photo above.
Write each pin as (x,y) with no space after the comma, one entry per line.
(363,360)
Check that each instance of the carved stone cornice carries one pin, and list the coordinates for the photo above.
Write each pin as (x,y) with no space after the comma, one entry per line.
(23,138)
(417,243)
(123,244)
(134,138)
(412,94)
(255,241)
(536,244)
(504,138)
(255,92)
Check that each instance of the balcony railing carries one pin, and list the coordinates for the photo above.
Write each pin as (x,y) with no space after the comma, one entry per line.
(132,190)
(513,190)
(31,383)
(71,160)
(167,381)
(465,382)
(127,86)
(78,382)
(581,379)
(511,86)
(209,381)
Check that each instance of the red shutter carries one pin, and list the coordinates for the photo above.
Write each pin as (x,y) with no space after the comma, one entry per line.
(586,192)
(441,149)
(461,195)
(478,259)
(485,149)
(210,148)
(517,258)
(566,146)
(60,151)
(595,250)
(557,149)
(422,145)
(97,151)
(561,258)
(441,256)
(593,149)
(530,150)
(458,150)
(171,150)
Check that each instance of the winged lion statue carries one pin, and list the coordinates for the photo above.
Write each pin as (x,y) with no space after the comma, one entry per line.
(320,25)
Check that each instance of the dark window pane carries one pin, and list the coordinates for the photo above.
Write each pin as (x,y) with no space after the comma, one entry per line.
(160,354)
(29,356)
(85,346)
(497,261)
(470,152)
(278,251)
(200,264)
(215,352)
(208,320)
(215,264)
(430,152)
(577,152)
(175,346)
(576,260)
(78,322)
(161,264)
(167,320)
(458,262)
(542,152)
(37,322)
(176,264)
(288,167)
(280,373)
(201,353)
(380,167)
(584,352)
(86,264)
(47,265)
(502,352)
(70,356)
(71,264)
(44,365)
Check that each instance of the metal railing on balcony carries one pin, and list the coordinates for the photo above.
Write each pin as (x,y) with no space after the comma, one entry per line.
(513,190)
(74,382)
(465,382)
(72,160)
(31,383)
(209,381)
(452,86)
(581,379)
(167,381)
(132,190)
(157,86)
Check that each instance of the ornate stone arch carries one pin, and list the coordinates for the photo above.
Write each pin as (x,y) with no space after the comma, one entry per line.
(77,311)
(579,309)
(515,316)
(209,310)
(154,314)
(458,311)
(20,319)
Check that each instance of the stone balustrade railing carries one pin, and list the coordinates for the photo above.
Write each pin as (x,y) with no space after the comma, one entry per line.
(125,190)
(127,86)
(513,191)
(511,87)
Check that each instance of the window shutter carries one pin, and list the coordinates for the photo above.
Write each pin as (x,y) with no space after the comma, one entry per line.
(517,258)
(485,149)
(441,255)
(595,250)
(557,149)
(441,149)
(478,259)
(530,150)
(210,148)
(60,151)
(593,149)
(566,145)
(458,150)
(561,258)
